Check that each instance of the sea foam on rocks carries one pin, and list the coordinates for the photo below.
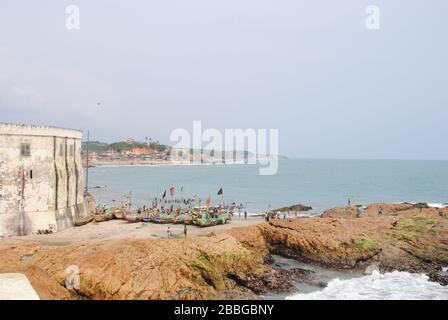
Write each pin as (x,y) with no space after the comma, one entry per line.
(389,286)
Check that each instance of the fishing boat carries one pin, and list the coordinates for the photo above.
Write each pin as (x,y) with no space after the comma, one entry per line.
(133,217)
(101,217)
(83,221)
(119,213)
(210,220)
(164,218)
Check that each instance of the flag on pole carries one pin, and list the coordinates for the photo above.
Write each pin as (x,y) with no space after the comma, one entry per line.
(220,192)
(172,191)
(164,195)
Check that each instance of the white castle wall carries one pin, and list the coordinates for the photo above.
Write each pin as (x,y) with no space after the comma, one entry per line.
(43,191)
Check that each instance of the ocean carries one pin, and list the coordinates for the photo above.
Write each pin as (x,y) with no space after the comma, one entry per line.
(321,184)
(356,285)
(388,286)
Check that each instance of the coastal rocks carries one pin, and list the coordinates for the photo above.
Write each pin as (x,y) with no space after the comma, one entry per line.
(440,277)
(403,238)
(293,208)
(275,281)
(196,268)
(329,242)
(237,263)
(379,209)
(340,212)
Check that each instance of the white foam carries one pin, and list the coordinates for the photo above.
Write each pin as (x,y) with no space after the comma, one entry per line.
(389,286)
(436,205)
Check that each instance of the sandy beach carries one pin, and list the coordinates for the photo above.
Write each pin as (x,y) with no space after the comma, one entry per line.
(121,229)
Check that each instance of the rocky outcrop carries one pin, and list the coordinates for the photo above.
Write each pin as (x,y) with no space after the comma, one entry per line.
(375,210)
(217,266)
(403,238)
(237,263)
(293,208)
(153,269)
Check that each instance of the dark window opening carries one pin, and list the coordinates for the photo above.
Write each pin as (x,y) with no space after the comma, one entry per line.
(31,174)
(25,150)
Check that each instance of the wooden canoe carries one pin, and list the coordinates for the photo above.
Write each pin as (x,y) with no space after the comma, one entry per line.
(83,221)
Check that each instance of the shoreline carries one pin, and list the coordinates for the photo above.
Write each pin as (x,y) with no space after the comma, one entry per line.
(233,261)
(129,163)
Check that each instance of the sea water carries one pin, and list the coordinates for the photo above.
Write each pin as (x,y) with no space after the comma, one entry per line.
(319,183)
(389,286)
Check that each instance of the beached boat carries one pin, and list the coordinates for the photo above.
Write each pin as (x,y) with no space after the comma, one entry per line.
(164,218)
(83,221)
(133,217)
(119,215)
(102,217)
(209,221)
(117,212)
(206,222)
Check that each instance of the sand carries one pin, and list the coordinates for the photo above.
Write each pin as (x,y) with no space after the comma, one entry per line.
(120,229)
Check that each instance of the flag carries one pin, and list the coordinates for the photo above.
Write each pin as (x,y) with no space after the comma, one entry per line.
(172,191)
(208,202)
(164,195)
(220,192)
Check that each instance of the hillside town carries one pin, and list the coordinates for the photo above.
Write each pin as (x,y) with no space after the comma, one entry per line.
(128,151)
(133,152)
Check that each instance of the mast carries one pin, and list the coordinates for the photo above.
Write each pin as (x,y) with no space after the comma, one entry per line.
(87,162)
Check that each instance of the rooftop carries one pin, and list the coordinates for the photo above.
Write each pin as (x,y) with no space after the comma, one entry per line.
(38,130)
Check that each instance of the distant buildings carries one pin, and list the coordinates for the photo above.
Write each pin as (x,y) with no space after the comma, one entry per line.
(41,179)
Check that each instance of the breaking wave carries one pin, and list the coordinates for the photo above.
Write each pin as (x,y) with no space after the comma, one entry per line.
(389,286)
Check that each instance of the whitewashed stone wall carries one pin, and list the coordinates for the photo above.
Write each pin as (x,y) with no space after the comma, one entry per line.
(42,191)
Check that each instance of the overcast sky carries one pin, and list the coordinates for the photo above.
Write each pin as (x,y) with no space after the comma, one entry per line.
(309,68)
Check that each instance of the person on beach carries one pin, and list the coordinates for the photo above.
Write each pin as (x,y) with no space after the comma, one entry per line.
(168,232)
(380,211)
(349,202)
(185,230)
(284,215)
(245,215)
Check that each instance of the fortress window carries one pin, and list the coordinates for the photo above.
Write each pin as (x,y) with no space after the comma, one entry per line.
(25,150)
(31,174)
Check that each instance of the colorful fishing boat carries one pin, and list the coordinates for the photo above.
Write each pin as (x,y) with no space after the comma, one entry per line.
(164,218)
(209,220)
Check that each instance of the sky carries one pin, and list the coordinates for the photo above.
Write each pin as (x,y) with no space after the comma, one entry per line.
(310,69)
